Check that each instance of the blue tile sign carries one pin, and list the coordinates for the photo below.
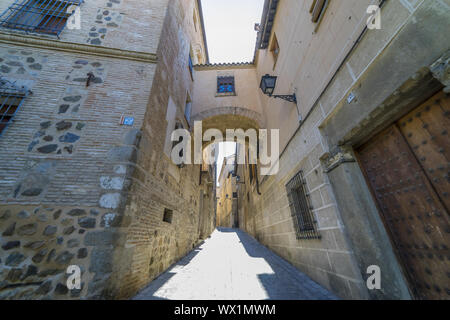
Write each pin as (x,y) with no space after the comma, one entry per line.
(128,121)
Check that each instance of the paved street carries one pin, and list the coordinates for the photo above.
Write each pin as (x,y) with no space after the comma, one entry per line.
(232,266)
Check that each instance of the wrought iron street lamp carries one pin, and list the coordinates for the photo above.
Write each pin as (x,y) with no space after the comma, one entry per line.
(267,86)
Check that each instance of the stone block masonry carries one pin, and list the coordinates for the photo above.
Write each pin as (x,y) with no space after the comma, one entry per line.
(40,242)
(78,188)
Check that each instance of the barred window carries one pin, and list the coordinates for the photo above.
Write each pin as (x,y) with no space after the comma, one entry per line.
(41,16)
(11,98)
(225,85)
(301,210)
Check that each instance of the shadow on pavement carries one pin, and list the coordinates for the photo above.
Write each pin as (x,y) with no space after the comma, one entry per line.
(149,291)
(286,282)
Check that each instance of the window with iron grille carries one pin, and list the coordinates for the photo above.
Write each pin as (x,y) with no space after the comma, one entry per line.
(11,98)
(40,16)
(301,210)
(225,85)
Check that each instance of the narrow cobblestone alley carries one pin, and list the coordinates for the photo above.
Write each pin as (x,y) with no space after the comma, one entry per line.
(231,265)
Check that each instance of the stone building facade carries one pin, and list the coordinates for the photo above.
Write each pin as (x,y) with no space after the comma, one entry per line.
(77,185)
(351,83)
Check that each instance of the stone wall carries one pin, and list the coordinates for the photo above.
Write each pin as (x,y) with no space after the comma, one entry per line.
(65,161)
(61,154)
(126,25)
(78,188)
(152,244)
(339,259)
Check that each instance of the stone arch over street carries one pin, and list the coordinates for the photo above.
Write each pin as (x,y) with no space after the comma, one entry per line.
(223,118)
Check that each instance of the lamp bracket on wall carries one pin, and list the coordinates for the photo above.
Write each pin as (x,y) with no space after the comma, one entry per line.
(267,86)
(290,98)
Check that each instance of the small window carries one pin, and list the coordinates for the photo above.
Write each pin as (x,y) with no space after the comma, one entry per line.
(41,16)
(191,67)
(188,109)
(11,98)
(317,9)
(275,49)
(225,85)
(301,210)
(235,195)
(168,215)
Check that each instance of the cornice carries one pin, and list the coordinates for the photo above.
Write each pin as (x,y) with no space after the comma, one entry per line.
(225,66)
(79,48)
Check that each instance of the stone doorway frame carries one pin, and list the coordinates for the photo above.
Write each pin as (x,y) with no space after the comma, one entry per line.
(359,213)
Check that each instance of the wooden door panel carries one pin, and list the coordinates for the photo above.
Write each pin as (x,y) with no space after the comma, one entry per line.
(414,216)
(426,130)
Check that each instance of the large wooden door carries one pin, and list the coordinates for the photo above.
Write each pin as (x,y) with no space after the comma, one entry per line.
(407,167)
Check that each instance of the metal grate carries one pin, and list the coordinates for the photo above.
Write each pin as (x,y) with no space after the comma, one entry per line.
(11,98)
(225,85)
(301,210)
(41,16)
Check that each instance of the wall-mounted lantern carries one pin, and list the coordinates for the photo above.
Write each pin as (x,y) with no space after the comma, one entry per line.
(267,86)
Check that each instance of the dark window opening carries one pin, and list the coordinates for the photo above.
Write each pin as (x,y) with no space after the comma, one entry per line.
(225,85)
(301,210)
(41,16)
(191,67)
(317,9)
(168,215)
(235,195)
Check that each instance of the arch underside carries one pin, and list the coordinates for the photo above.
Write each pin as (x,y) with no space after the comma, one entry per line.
(228,118)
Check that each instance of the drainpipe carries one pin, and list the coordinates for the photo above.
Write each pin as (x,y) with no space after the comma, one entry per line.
(257,181)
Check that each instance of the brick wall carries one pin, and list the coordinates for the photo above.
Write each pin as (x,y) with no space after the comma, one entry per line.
(152,244)
(66,162)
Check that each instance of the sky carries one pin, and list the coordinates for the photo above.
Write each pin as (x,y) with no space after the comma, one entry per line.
(230,30)
(231,37)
